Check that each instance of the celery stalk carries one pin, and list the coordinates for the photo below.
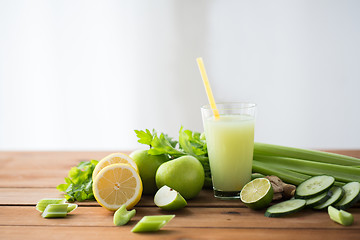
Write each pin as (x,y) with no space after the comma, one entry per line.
(318,156)
(285,175)
(339,172)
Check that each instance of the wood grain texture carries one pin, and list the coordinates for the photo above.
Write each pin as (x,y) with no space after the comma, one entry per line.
(40,169)
(188,217)
(90,233)
(30,196)
(26,177)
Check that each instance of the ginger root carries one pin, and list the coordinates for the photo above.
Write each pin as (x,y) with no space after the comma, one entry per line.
(281,189)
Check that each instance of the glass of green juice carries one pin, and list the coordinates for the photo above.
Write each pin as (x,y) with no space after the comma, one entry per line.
(230,143)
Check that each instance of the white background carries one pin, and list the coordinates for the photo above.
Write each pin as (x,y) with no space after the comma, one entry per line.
(82,75)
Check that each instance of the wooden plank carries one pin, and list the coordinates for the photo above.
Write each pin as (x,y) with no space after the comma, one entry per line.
(48,169)
(89,233)
(40,169)
(187,218)
(30,196)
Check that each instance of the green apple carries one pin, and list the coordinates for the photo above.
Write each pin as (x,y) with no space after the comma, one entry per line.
(169,199)
(123,216)
(147,165)
(184,174)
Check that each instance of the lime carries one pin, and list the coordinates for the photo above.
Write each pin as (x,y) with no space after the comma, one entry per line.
(257,194)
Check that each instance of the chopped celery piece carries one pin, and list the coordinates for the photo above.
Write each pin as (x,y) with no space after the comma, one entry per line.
(42,204)
(167,218)
(144,226)
(71,207)
(55,210)
(318,156)
(340,216)
(122,216)
(152,223)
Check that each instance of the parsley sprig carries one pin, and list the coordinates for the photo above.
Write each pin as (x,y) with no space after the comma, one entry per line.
(78,186)
(190,143)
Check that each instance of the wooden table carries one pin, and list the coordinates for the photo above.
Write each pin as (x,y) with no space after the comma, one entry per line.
(26,177)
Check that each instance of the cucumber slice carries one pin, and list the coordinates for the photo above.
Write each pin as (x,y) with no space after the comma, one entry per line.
(314,186)
(319,199)
(352,195)
(285,208)
(338,193)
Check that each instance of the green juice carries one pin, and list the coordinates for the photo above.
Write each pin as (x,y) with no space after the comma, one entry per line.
(230,143)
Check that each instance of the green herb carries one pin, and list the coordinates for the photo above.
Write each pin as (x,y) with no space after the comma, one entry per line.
(190,143)
(78,186)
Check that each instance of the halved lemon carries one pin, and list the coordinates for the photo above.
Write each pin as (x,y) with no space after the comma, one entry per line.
(117,184)
(111,159)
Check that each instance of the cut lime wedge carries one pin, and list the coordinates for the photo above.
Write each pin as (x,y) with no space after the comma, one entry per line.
(257,194)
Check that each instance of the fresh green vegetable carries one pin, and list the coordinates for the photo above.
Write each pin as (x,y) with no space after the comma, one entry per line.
(285,175)
(352,196)
(122,216)
(337,194)
(319,199)
(190,143)
(285,208)
(55,210)
(71,207)
(314,186)
(317,156)
(43,203)
(340,216)
(78,186)
(310,167)
(152,223)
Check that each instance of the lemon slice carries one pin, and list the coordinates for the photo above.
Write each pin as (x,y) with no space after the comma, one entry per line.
(111,159)
(117,184)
